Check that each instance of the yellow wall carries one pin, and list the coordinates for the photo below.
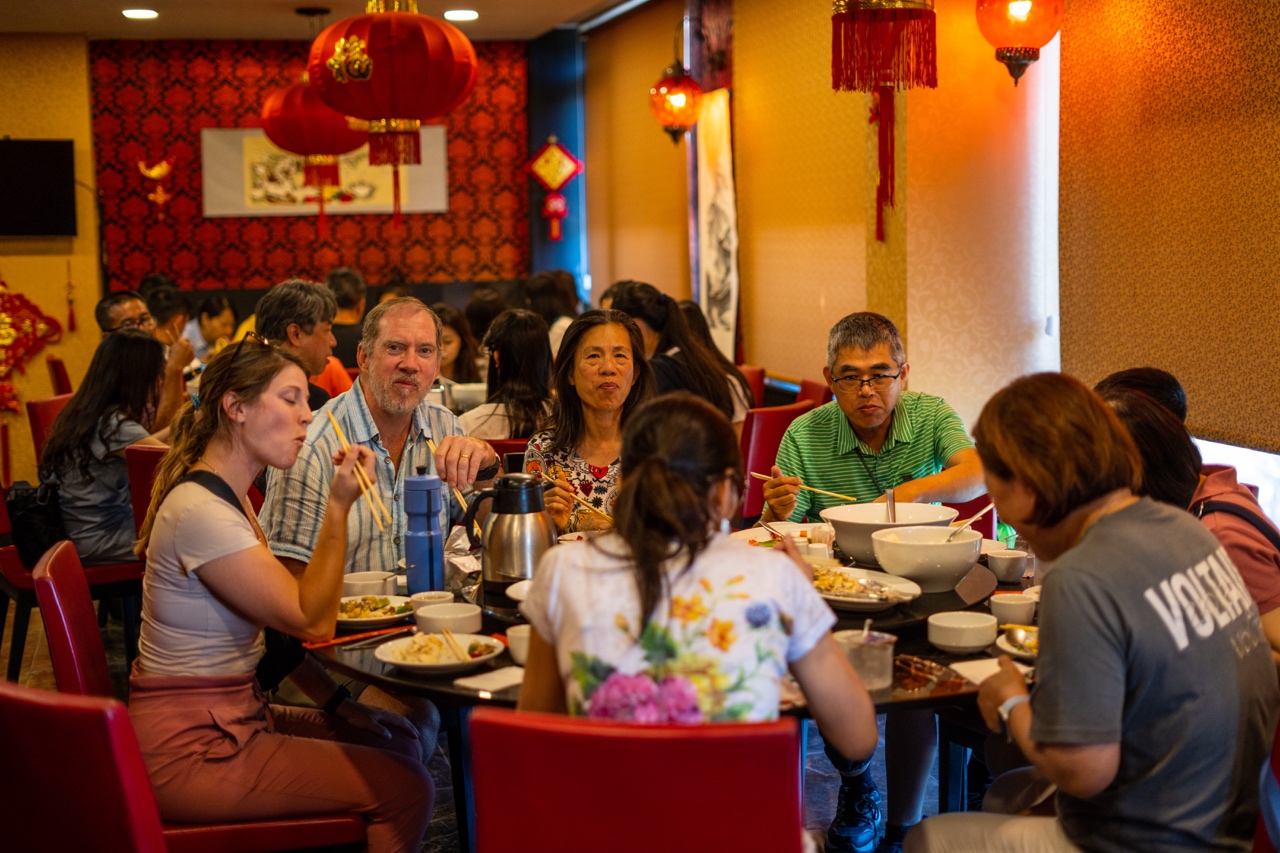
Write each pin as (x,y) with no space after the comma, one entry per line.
(637,200)
(802,179)
(44,90)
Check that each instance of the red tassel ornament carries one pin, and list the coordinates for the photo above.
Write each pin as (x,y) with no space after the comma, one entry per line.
(878,43)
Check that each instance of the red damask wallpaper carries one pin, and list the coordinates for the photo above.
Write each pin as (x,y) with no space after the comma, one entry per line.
(152,99)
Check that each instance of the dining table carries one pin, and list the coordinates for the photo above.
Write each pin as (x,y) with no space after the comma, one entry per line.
(922,678)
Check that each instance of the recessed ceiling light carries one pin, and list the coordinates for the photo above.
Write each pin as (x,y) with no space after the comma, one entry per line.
(461,15)
(141,14)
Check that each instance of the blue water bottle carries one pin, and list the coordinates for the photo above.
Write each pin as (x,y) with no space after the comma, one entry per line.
(424,541)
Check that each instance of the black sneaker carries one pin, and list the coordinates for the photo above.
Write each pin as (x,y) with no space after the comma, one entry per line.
(892,840)
(856,826)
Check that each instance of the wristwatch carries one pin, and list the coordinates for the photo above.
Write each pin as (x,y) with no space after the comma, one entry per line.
(1006,708)
(342,694)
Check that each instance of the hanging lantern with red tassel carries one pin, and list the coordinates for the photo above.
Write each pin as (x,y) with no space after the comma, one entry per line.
(882,46)
(296,120)
(676,98)
(396,69)
(1017,29)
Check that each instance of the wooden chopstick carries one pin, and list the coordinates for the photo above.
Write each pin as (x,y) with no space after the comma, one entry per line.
(457,493)
(454,645)
(355,638)
(811,489)
(366,486)
(584,503)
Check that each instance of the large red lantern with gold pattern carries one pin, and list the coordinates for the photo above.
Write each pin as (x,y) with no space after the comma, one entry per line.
(394,68)
(1017,29)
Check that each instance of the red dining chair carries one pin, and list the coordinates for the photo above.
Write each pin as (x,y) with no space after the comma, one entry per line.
(506,447)
(354,373)
(119,580)
(761,434)
(41,414)
(58,374)
(142,461)
(676,776)
(755,379)
(818,392)
(105,804)
(80,668)
(985,525)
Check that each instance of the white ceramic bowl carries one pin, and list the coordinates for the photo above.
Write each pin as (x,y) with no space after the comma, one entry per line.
(460,618)
(1007,566)
(368,583)
(924,555)
(518,642)
(962,632)
(433,598)
(854,524)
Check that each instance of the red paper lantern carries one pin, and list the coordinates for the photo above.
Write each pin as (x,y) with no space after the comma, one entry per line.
(295,119)
(675,99)
(1018,29)
(396,69)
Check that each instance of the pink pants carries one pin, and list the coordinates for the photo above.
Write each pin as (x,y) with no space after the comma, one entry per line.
(216,752)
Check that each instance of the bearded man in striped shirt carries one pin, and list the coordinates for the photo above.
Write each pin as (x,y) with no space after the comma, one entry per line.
(875,436)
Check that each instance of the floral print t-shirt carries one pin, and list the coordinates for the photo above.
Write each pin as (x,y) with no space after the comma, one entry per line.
(597,486)
(716,650)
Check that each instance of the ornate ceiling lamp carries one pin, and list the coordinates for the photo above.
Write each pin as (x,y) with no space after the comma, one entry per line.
(675,99)
(396,69)
(295,119)
(881,46)
(1018,29)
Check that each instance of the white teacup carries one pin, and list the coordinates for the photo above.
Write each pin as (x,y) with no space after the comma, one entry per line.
(518,642)
(1013,608)
(1007,566)
(369,583)
(420,600)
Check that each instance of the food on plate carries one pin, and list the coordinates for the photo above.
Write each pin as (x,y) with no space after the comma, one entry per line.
(371,607)
(835,582)
(773,541)
(432,648)
(1024,638)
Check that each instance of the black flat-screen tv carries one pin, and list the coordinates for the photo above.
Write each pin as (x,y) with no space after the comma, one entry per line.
(37,188)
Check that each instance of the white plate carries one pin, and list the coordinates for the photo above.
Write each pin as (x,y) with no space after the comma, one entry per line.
(519,590)
(376,621)
(383,653)
(1008,648)
(759,534)
(902,585)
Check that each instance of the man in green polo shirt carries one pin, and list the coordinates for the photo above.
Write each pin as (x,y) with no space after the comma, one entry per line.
(875,436)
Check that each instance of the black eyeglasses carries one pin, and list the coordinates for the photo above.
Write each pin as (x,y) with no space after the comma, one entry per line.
(257,337)
(854,384)
(143,321)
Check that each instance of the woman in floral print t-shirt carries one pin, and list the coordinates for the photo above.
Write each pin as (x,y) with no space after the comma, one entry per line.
(669,619)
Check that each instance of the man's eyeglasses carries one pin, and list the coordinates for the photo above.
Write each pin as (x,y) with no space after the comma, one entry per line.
(247,335)
(854,384)
(144,321)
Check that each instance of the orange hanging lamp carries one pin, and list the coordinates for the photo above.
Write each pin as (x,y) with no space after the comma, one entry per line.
(395,69)
(676,98)
(296,120)
(1017,29)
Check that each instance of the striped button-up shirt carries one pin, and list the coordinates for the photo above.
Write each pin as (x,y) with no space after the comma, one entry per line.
(821,449)
(296,498)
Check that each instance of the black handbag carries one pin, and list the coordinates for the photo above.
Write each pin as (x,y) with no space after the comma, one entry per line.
(36,517)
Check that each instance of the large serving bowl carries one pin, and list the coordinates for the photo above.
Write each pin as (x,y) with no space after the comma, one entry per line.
(854,524)
(924,555)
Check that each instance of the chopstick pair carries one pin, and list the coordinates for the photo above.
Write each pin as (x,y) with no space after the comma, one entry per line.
(376,505)
(356,638)
(584,503)
(457,493)
(759,476)
(454,645)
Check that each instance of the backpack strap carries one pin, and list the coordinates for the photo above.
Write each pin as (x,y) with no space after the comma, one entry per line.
(215,484)
(1208,506)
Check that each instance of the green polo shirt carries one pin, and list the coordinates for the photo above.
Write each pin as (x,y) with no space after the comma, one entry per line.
(821,449)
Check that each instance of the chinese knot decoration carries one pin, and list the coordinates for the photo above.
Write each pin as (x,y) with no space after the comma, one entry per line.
(24,331)
(553,167)
(296,120)
(395,69)
(881,46)
(157,173)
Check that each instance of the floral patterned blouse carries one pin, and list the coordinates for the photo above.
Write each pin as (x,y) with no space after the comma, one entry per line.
(597,486)
(715,651)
